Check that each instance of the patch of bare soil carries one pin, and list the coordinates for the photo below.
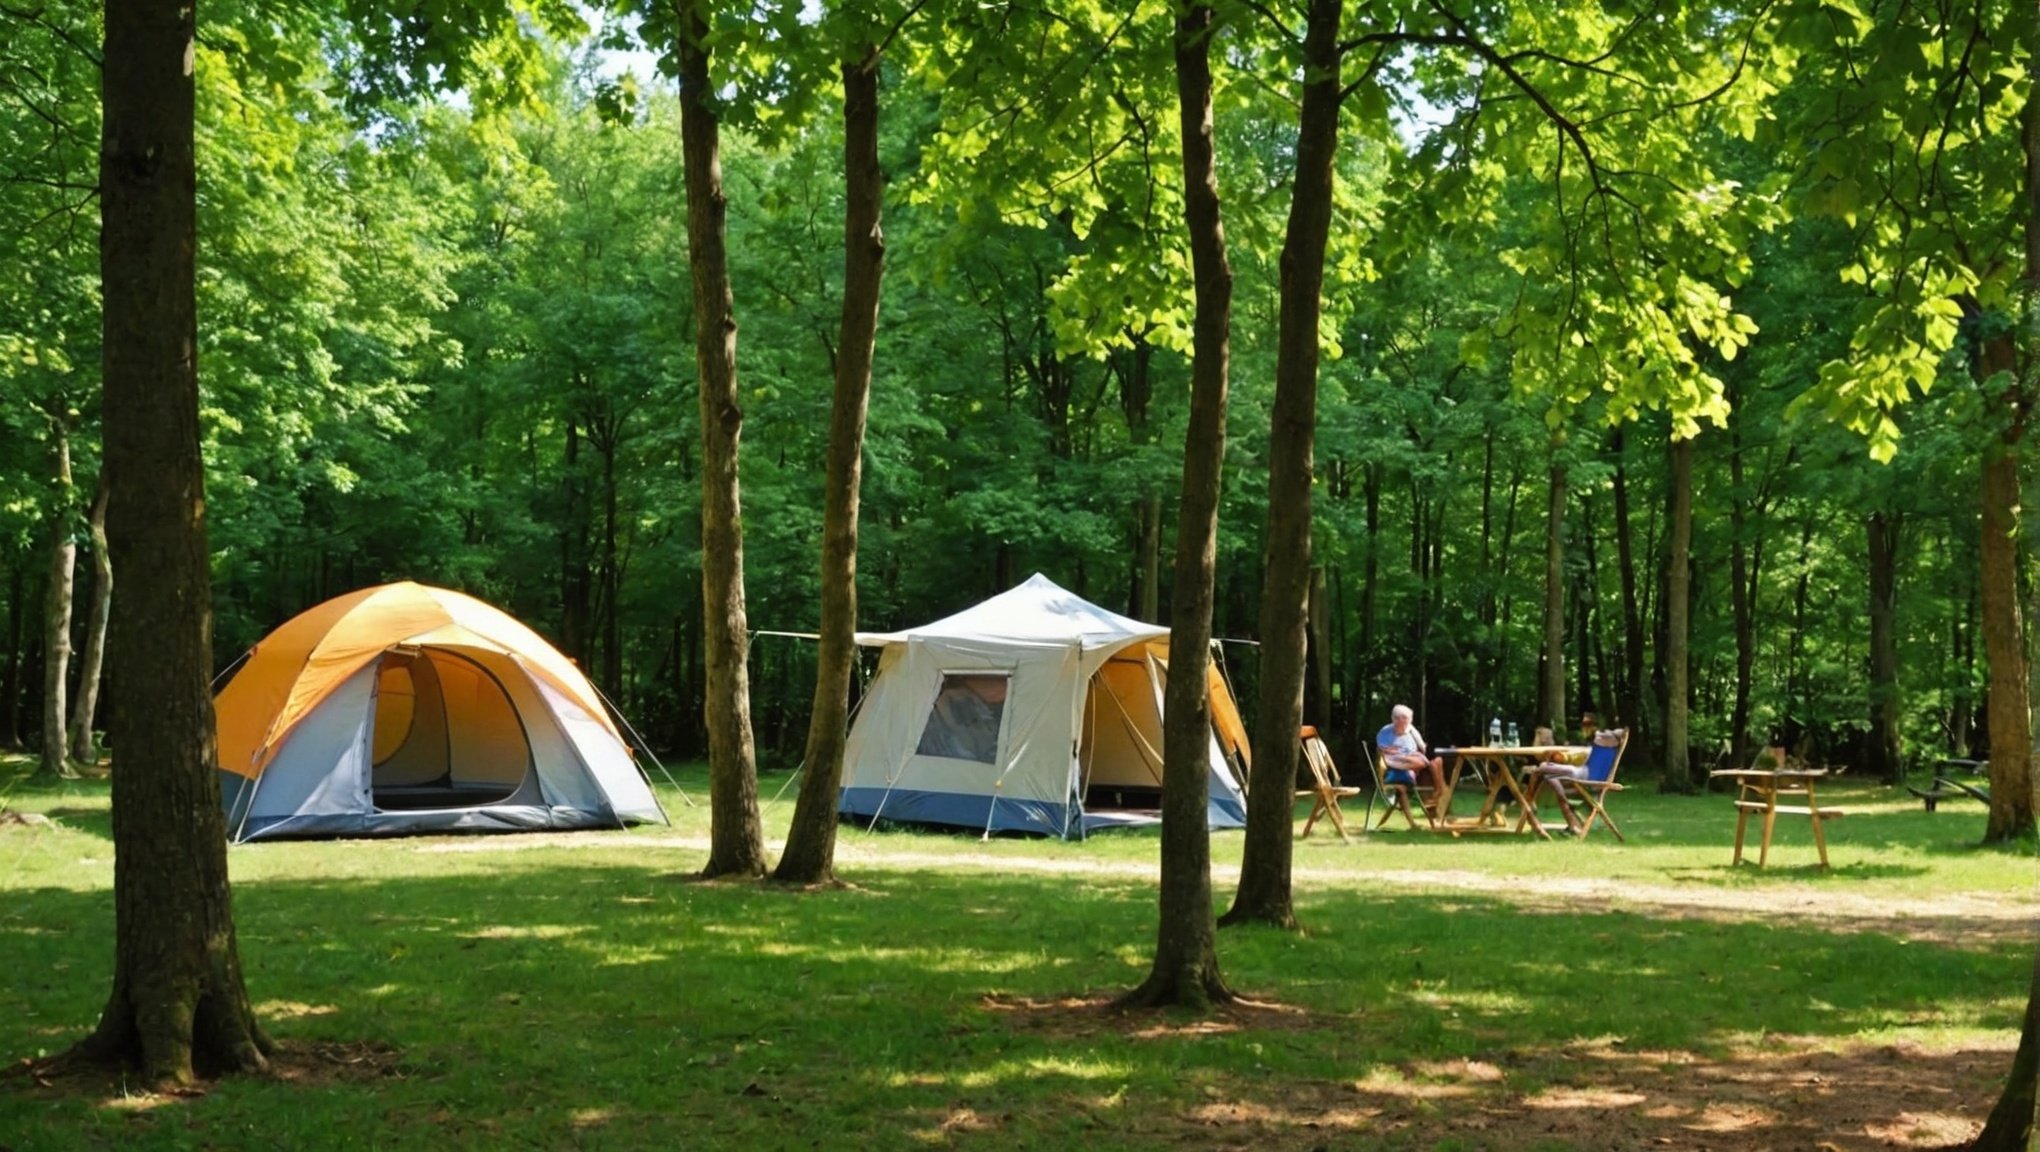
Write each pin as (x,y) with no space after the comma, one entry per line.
(300,1062)
(1794,1094)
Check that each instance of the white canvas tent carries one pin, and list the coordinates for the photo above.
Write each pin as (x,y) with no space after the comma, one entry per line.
(1034,711)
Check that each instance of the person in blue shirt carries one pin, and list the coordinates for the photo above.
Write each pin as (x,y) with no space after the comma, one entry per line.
(1403,749)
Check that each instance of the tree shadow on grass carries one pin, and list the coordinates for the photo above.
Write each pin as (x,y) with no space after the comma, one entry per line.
(577,999)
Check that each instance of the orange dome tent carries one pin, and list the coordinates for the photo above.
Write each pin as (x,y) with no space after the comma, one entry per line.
(406,708)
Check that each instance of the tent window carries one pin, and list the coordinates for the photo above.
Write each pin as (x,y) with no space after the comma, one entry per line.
(964,724)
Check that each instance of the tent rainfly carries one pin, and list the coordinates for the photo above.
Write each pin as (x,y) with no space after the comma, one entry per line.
(1034,711)
(404,708)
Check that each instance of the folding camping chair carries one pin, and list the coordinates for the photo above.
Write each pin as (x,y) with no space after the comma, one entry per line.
(1584,786)
(1397,786)
(1325,790)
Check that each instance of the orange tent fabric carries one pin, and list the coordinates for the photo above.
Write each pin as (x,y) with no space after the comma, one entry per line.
(302,662)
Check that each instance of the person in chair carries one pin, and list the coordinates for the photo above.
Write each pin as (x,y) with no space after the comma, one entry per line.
(1403,749)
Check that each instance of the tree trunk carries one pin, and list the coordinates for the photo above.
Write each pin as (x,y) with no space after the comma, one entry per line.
(1629,708)
(178,1007)
(736,841)
(1370,573)
(1264,888)
(575,588)
(10,681)
(612,576)
(1962,640)
(57,613)
(2015,1121)
(1320,620)
(2006,698)
(1678,775)
(1885,760)
(94,656)
(1551,663)
(811,841)
(1186,968)
(1136,393)
(1742,594)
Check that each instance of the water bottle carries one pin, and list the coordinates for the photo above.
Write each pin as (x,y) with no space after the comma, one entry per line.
(1515,739)
(1494,732)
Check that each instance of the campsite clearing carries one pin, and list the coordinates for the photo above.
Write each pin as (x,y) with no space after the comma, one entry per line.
(580,990)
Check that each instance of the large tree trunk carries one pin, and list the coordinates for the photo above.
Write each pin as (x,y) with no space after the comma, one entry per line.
(94,657)
(736,841)
(1186,939)
(57,612)
(1885,759)
(2006,698)
(811,842)
(2014,1123)
(179,1007)
(1678,775)
(1264,889)
(1551,662)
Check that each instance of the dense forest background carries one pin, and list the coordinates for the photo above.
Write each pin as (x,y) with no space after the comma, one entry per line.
(449,342)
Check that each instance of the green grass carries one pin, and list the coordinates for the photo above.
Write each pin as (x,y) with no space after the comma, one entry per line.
(580,991)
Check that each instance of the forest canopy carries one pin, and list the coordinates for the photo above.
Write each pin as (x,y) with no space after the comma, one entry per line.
(447,337)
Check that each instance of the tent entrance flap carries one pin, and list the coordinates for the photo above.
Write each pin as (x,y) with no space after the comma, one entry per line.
(1120,756)
(446,734)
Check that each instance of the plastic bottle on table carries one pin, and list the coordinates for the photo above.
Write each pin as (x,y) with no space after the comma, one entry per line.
(1494,732)
(1515,738)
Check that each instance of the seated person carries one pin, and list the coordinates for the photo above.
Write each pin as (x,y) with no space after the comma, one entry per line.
(1403,749)
(1546,776)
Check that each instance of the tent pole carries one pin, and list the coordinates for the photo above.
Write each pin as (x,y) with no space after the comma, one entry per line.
(640,742)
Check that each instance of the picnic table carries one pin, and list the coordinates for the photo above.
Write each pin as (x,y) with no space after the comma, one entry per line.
(1948,788)
(1499,764)
(1758,791)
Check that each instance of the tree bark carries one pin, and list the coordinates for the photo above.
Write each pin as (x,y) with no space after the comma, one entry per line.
(1628,709)
(1136,393)
(1742,593)
(1264,889)
(2015,1121)
(576,588)
(2007,699)
(1885,757)
(1551,663)
(57,611)
(1678,775)
(736,841)
(811,841)
(1186,970)
(178,1008)
(86,707)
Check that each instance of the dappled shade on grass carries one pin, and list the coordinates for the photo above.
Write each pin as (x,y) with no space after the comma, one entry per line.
(577,990)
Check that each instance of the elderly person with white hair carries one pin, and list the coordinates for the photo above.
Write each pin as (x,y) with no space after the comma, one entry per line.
(1403,750)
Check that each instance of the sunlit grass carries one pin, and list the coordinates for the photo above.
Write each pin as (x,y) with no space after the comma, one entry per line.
(581,990)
